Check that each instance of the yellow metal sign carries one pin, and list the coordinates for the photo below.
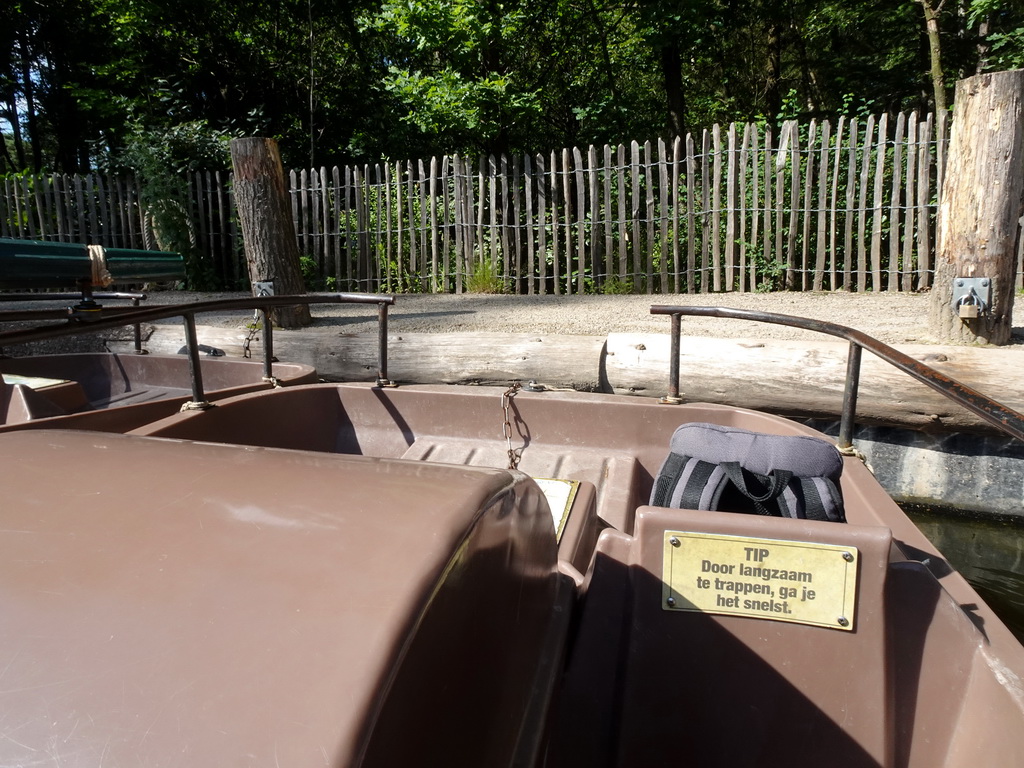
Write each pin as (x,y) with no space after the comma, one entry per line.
(793,581)
(560,495)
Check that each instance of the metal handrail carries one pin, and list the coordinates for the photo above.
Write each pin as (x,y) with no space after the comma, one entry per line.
(14,316)
(1005,419)
(115,317)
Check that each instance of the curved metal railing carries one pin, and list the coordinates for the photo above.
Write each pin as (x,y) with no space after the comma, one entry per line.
(1005,419)
(104,318)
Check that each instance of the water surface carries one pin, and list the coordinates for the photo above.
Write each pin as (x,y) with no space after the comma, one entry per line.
(989,552)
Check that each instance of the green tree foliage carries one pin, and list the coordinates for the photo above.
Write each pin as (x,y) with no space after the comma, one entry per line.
(343,80)
(161,160)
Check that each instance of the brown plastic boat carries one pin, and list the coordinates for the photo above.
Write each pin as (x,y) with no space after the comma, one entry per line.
(352,574)
(119,392)
(107,392)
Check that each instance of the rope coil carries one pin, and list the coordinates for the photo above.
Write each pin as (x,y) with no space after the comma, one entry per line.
(101,277)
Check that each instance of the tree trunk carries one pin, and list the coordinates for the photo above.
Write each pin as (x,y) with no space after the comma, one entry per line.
(982,203)
(773,78)
(268,233)
(931,22)
(671,68)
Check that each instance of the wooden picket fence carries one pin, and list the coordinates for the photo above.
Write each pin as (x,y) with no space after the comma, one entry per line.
(820,206)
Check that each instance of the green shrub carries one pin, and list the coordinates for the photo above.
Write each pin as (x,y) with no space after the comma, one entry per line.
(485,278)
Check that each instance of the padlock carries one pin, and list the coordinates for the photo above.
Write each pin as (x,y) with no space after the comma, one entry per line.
(968,311)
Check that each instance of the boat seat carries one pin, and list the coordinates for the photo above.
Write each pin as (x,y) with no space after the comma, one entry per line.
(662,677)
(28,401)
(614,474)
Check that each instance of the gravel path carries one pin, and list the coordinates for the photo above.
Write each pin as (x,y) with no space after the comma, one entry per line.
(895,318)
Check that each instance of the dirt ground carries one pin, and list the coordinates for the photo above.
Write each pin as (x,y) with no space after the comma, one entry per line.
(895,318)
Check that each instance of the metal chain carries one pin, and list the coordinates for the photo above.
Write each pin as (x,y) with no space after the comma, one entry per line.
(506,427)
(254,328)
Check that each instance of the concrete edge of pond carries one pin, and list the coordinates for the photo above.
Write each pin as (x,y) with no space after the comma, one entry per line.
(967,472)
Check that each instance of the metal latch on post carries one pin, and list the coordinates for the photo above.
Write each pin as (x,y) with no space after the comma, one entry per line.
(972,296)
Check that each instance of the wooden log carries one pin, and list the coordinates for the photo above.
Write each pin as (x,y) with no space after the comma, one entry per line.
(420,358)
(982,203)
(794,378)
(267,230)
(806,379)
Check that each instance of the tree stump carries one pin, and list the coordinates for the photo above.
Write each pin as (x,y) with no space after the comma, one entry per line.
(271,248)
(982,203)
